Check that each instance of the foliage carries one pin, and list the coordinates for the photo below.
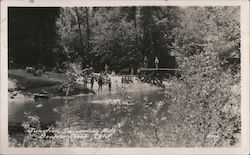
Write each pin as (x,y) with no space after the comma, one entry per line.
(32,36)
(117,35)
(219,26)
(35,135)
(203,104)
(72,83)
(120,35)
(210,110)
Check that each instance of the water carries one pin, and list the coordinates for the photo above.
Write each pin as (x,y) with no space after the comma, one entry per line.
(89,112)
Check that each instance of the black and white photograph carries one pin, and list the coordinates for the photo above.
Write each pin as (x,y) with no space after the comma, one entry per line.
(133,76)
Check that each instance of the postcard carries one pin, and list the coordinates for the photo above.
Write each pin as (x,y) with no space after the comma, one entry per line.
(124,77)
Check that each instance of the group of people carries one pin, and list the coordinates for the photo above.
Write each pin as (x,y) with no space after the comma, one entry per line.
(145,62)
(101,79)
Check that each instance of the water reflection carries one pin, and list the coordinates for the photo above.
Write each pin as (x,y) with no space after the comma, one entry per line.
(92,112)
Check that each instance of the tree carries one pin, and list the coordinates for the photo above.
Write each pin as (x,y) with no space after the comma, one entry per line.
(203,103)
(200,26)
(32,43)
(80,31)
(118,35)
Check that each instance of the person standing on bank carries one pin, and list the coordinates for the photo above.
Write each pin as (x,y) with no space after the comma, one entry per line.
(106,69)
(156,62)
(145,62)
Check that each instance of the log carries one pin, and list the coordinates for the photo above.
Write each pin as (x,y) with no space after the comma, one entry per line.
(40,96)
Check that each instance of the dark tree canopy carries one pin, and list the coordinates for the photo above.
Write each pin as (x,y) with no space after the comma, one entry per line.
(31,35)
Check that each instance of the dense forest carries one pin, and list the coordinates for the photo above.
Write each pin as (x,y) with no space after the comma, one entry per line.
(31,36)
(120,36)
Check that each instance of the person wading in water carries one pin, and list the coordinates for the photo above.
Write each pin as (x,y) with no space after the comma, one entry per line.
(100,83)
(92,80)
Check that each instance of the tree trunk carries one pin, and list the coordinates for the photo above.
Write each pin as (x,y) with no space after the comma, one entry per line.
(87,29)
(135,26)
(80,31)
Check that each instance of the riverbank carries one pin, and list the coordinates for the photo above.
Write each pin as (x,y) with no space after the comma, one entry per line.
(21,80)
(23,85)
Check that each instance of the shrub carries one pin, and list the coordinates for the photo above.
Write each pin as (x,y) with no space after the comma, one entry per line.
(203,108)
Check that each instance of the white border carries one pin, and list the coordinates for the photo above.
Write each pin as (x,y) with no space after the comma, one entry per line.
(244,149)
